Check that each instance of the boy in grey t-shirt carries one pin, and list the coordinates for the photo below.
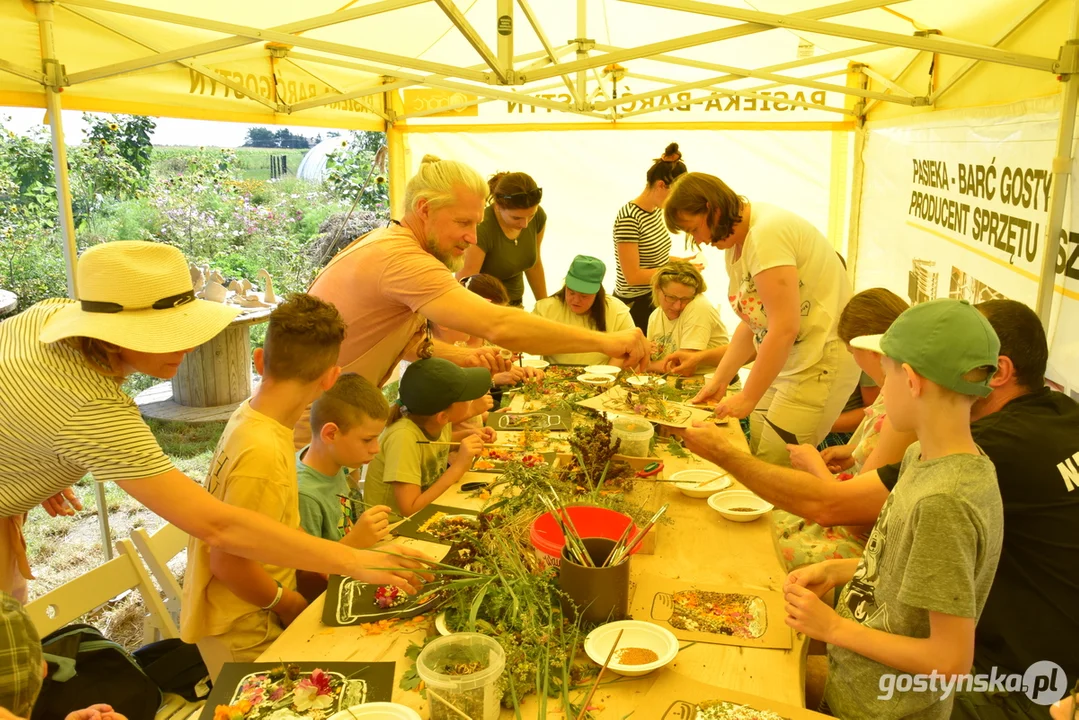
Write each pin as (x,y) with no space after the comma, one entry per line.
(912,601)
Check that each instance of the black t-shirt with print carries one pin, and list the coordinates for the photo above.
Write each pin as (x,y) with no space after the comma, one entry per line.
(1032,613)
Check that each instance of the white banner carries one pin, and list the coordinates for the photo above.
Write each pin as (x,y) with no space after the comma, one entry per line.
(957,205)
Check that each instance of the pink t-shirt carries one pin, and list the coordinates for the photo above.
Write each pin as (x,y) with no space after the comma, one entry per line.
(378,284)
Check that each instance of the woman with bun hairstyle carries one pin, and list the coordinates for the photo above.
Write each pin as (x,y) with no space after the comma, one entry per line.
(508,240)
(642,243)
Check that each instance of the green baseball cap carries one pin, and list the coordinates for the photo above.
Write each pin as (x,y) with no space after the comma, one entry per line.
(942,340)
(586,275)
(432,385)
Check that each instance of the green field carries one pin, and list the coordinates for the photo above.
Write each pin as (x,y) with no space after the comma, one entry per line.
(254,162)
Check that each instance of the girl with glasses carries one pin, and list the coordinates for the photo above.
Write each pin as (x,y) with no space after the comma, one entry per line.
(509,237)
(683,320)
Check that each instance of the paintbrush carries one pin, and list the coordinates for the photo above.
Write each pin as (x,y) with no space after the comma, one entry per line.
(456,444)
(610,655)
(627,550)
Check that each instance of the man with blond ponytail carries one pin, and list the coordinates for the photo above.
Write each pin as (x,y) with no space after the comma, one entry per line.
(386,283)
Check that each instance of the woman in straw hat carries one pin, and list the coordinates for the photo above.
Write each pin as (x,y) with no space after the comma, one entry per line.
(63,414)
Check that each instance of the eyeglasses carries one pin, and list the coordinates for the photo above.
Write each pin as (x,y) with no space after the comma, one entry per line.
(676,300)
(165,303)
(530,198)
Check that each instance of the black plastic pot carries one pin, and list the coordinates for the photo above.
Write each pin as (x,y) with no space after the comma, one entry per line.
(599,594)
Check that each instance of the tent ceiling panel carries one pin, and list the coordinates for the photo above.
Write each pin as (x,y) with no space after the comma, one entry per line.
(316,63)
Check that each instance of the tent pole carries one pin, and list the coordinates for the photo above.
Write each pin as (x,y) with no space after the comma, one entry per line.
(395,144)
(505,37)
(54,76)
(857,178)
(582,52)
(53,87)
(1062,162)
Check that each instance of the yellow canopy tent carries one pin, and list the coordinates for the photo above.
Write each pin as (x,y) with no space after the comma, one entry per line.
(802,95)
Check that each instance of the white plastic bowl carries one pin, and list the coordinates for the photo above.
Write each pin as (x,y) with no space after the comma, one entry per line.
(596,379)
(725,502)
(377,711)
(708,376)
(441,626)
(538,363)
(701,484)
(640,380)
(636,634)
(603,369)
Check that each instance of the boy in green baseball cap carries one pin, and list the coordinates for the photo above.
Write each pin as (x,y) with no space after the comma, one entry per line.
(911,602)
(410,471)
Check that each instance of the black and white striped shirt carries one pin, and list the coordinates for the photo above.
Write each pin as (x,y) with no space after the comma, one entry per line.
(59,419)
(649,232)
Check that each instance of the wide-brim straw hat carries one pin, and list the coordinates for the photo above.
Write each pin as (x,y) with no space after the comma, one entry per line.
(138,295)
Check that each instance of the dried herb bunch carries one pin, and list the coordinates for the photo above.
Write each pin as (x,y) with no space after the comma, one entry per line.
(593,466)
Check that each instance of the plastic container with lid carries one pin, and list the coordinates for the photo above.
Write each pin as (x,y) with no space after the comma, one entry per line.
(635,434)
(450,694)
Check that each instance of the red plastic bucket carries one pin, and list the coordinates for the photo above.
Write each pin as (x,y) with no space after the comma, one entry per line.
(591,522)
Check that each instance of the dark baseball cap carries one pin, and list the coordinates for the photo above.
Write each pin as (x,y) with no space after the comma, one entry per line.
(430,386)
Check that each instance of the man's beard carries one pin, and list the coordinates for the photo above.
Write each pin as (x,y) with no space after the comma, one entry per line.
(453,263)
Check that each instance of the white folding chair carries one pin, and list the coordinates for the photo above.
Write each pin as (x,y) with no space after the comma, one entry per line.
(89,591)
(157,550)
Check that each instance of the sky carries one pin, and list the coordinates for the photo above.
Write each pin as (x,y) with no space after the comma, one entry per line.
(169,131)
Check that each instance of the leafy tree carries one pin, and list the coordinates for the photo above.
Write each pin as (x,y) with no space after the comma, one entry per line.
(260,137)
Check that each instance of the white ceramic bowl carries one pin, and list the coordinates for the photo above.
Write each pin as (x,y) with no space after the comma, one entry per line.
(701,483)
(377,711)
(538,363)
(603,369)
(639,380)
(635,634)
(725,503)
(596,379)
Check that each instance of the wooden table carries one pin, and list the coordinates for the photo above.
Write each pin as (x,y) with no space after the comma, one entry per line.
(213,379)
(699,545)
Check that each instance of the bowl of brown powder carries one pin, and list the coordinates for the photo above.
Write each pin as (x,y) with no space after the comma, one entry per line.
(644,647)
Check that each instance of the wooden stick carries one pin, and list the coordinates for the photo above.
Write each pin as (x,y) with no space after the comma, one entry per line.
(587,700)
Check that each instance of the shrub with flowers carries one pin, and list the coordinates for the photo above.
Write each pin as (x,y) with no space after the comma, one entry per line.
(195,199)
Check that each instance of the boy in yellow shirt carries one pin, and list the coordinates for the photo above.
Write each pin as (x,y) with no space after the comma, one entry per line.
(234,608)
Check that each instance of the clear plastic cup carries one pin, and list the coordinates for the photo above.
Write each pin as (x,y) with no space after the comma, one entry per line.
(477,693)
(635,434)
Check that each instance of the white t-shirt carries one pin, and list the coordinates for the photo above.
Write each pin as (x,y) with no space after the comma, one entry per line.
(697,328)
(779,238)
(552,308)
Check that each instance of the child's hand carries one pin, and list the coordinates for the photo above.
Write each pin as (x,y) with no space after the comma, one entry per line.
(471,446)
(1063,709)
(94,712)
(806,457)
(291,605)
(486,434)
(838,458)
(816,578)
(371,527)
(808,614)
